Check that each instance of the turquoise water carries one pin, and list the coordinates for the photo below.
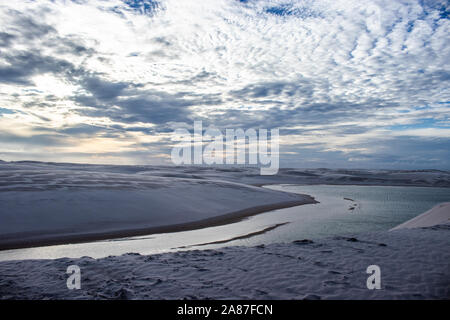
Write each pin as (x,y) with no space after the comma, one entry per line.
(375,208)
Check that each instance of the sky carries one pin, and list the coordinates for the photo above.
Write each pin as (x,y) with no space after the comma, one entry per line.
(349,84)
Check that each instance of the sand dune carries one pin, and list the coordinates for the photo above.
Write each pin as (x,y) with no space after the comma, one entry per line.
(51,203)
(439,214)
(248,175)
(65,202)
(43,207)
(414,263)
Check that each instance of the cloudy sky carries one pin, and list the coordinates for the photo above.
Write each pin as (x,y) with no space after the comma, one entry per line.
(348,83)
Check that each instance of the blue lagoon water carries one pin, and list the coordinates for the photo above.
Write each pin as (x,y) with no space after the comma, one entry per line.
(342,210)
(353,209)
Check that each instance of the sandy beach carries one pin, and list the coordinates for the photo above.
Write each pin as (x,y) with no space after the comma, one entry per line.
(37,239)
(226,149)
(44,204)
(439,214)
(49,204)
(414,263)
(57,203)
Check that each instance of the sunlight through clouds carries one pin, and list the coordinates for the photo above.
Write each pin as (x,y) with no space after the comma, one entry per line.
(112,78)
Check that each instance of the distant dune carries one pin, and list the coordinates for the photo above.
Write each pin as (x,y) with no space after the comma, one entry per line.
(52,203)
(248,175)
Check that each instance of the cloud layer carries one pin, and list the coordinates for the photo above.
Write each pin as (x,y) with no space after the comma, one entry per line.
(349,83)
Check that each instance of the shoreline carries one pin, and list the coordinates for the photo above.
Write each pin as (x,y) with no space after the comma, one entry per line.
(439,214)
(245,236)
(416,262)
(220,220)
(347,184)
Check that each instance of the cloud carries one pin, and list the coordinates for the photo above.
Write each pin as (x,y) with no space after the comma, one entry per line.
(341,79)
(102,89)
(279,89)
(22,65)
(5,39)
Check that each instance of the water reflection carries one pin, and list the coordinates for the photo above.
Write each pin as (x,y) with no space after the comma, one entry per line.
(342,210)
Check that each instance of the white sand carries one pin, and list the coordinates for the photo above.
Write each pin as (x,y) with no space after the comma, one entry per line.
(428,178)
(39,198)
(439,214)
(414,263)
(41,206)
(51,203)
